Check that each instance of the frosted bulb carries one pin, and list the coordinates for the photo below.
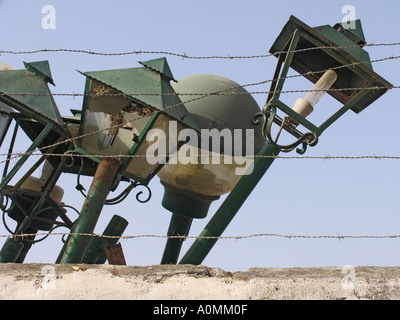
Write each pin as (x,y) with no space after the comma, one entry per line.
(304,106)
(320,87)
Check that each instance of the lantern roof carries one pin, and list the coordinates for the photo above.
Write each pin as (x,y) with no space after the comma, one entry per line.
(148,85)
(160,66)
(27,91)
(40,68)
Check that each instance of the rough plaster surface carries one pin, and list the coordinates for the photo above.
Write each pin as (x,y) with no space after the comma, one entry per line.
(170,282)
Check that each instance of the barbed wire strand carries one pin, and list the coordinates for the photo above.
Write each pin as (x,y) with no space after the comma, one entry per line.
(121,156)
(203,94)
(290,236)
(185,56)
(227,91)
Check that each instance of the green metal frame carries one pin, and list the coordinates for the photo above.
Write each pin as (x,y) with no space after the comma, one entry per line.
(16,245)
(269,110)
(26,155)
(10,149)
(125,160)
(135,147)
(82,114)
(13,246)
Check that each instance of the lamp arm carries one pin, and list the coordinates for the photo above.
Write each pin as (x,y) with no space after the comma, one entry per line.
(269,113)
(124,194)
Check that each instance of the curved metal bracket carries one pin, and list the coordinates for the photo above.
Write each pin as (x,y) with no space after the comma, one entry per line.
(124,194)
(141,192)
(69,161)
(269,113)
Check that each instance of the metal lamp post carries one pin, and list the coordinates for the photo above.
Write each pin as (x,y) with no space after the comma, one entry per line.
(190,188)
(119,109)
(334,60)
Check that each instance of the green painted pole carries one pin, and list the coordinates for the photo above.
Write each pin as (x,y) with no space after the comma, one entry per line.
(95,253)
(227,211)
(178,226)
(10,251)
(76,244)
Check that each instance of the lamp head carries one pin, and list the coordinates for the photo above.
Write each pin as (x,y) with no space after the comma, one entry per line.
(230,109)
(121,106)
(334,60)
(341,50)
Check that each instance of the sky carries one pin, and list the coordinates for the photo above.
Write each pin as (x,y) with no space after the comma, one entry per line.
(311,197)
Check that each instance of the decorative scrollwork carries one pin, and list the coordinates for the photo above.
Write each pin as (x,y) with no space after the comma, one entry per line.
(124,194)
(68,159)
(256,117)
(269,113)
(141,192)
(4,209)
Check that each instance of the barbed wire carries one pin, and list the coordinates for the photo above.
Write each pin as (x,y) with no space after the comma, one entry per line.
(122,156)
(198,96)
(238,237)
(217,92)
(201,94)
(185,56)
(227,91)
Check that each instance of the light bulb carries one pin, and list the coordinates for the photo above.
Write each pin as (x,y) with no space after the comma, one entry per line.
(304,106)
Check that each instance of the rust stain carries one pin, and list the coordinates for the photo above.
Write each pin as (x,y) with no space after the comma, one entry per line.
(77,268)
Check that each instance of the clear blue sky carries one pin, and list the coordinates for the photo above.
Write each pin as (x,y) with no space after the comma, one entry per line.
(295,197)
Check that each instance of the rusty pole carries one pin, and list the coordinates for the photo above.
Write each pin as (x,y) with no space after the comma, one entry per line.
(76,244)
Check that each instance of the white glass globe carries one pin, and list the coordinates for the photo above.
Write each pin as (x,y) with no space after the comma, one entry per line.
(226,105)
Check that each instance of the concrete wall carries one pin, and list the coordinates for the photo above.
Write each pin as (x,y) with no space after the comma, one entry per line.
(49,281)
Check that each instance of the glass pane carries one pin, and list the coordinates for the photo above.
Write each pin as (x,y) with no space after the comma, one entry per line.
(111,123)
(154,150)
(218,177)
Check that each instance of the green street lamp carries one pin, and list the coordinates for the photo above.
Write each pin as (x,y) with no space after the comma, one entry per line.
(120,109)
(334,60)
(190,188)
(35,203)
